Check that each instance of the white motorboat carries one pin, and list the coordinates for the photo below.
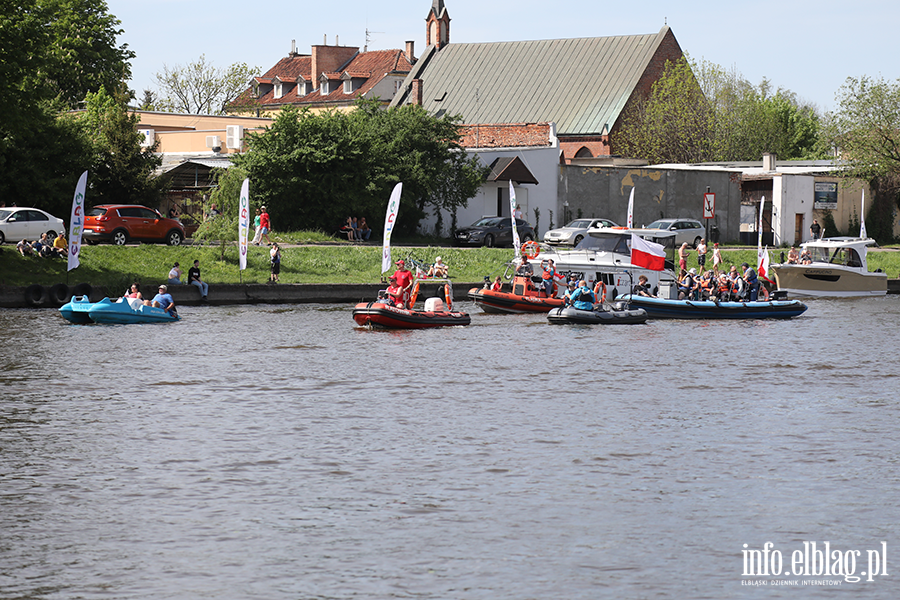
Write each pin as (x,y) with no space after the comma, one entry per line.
(604,255)
(834,267)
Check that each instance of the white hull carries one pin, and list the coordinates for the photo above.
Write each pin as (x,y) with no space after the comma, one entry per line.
(817,280)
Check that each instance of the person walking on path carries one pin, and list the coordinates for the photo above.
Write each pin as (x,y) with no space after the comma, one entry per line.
(265,226)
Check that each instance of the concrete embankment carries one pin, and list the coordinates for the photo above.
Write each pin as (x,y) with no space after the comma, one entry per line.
(219,294)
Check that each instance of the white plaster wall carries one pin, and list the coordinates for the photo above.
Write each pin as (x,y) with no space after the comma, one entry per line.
(544,165)
(796,193)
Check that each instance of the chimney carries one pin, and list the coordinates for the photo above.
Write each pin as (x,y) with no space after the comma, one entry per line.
(416,92)
(293,48)
(768,162)
(410,52)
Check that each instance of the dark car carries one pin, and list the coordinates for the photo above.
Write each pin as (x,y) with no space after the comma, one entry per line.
(493,231)
(121,223)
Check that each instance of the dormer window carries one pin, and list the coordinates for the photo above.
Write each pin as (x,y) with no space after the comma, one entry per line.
(348,86)
(278,89)
(325,88)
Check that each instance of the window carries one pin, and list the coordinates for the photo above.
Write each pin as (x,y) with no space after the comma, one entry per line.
(348,86)
(325,90)
(278,89)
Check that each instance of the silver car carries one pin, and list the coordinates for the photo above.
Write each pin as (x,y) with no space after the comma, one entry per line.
(21,223)
(574,232)
(686,230)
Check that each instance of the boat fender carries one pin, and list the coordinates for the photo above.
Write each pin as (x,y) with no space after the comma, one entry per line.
(613,294)
(82,289)
(34,295)
(59,294)
(415,294)
(600,292)
(448,298)
(763,293)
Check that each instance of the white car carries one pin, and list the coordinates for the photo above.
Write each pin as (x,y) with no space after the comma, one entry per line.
(574,232)
(686,230)
(20,223)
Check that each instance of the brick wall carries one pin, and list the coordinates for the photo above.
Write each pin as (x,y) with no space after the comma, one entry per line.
(668,50)
(505,135)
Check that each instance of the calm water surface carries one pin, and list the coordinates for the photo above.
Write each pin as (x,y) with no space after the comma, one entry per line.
(280,452)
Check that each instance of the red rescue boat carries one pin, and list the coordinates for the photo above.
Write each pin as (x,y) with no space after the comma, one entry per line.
(384,315)
(522,297)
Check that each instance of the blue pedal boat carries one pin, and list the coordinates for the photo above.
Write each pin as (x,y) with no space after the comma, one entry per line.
(121,312)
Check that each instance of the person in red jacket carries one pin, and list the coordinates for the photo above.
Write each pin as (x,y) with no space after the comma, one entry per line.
(264,227)
(404,280)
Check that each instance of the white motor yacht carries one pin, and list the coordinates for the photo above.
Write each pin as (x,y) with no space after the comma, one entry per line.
(605,255)
(831,267)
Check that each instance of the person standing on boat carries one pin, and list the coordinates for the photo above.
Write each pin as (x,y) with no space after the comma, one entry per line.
(548,276)
(815,230)
(682,258)
(163,300)
(752,280)
(404,280)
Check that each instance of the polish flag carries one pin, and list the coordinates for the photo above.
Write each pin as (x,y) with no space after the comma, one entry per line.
(649,255)
(762,260)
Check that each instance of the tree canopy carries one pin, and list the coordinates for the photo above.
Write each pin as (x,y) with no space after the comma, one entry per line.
(312,170)
(52,53)
(201,88)
(699,112)
(865,128)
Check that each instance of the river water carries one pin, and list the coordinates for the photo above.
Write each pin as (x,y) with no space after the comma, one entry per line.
(282,453)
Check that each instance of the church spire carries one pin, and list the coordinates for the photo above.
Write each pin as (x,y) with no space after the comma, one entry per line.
(437,25)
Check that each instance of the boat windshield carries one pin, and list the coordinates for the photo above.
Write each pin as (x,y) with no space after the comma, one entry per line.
(848,257)
(615,243)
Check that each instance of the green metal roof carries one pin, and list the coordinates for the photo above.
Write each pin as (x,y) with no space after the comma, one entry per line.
(581,84)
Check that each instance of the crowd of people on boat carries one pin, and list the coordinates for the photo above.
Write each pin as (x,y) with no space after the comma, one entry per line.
(733,285)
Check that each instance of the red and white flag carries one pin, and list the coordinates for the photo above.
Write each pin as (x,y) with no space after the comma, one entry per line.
(762,260)
(649,255)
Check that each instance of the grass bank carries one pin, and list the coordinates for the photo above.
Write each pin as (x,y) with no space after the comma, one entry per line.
(115,267)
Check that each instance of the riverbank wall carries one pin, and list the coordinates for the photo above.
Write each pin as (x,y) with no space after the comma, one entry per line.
(221,294)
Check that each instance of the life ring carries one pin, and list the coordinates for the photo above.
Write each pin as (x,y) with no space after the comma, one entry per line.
(415,294)
(34,295)
(82,289)
(597,291)
(531,249)
(59,294)
(764,292)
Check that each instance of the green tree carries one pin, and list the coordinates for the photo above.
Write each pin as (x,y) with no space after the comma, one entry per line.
(865,132)
(313,170)
(673,124)
(866,126)
(201,88)
(121,169)
(52,52)
(697,111)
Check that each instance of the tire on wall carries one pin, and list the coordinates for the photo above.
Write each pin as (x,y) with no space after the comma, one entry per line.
(82,289)
(59,294)
(35,295)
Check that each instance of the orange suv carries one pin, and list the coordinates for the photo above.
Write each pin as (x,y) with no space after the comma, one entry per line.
(121,223)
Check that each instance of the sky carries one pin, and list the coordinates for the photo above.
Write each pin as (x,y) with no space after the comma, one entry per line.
(809,48)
